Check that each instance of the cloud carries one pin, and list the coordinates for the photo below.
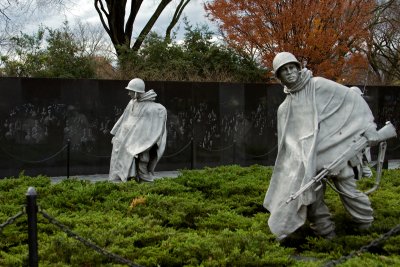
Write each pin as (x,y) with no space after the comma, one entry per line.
(194,11)
(84,11)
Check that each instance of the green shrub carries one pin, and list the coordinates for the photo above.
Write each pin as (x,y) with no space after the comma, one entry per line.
(208,217)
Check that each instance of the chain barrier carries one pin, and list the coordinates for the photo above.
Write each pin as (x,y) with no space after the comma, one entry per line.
(394,149)
(263,155)
(12,219)
(375,243)
(179,151)
(86,242)
(167,156)
(217,150)
(372,244)
(34,161)
(96,156)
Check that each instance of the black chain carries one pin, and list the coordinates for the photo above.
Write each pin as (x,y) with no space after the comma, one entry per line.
(179,151)
(96,156)
(12,219)
(263,155)
(86,242)
(372,244)
(217,150)
(394,149)
(33,161)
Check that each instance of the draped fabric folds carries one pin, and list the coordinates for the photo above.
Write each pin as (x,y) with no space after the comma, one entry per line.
(141,127)
(316,122)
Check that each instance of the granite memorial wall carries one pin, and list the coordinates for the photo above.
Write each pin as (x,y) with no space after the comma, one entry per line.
(209,124)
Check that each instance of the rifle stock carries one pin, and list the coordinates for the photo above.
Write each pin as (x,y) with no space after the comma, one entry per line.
(386,132)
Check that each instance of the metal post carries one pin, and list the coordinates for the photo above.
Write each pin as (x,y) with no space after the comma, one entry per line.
(31,210)
(68,155)
(385,164)
(192,154)
(234,151)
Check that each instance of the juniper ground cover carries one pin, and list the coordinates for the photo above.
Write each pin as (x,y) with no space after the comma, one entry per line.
(207,217)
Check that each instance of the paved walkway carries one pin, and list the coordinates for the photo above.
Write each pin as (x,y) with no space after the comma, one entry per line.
(392,164)
(104,177)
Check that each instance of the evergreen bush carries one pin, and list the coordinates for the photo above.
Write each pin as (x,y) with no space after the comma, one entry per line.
(208,217)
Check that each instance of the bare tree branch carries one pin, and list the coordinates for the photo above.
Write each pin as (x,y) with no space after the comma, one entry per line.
(178,13)
(4,14)
(149,25)
(135,6)
(102,12)
(384,49)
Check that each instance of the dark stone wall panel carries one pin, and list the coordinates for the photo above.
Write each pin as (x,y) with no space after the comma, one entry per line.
(229,123)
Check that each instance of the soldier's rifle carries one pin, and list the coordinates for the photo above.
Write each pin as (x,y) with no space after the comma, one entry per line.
(357,147)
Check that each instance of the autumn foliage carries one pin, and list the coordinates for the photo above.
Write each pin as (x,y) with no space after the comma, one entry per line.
(326,35)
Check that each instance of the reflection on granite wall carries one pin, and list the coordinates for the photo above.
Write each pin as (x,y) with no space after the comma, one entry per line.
(228,123)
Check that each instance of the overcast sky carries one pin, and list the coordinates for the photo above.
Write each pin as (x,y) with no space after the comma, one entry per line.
(84,10)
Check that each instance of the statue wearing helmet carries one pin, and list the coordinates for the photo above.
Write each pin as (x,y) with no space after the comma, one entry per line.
(282,59)
(136,85)
(317,121)
(139,136)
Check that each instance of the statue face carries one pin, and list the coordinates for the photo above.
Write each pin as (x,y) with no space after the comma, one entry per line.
(288,74)
(134,95)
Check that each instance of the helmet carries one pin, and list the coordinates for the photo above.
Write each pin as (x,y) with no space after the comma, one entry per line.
(282,59)
(136,85)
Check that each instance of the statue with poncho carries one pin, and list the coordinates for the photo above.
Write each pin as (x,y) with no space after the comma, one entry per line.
(318,123)
(139,136)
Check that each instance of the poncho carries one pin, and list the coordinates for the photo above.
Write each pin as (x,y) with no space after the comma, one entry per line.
(316,122)
(140,127)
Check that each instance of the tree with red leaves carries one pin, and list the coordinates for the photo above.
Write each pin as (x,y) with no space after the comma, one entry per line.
(326,35)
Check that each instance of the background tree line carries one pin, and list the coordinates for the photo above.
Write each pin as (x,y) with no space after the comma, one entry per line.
(352,41)
(73,53)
